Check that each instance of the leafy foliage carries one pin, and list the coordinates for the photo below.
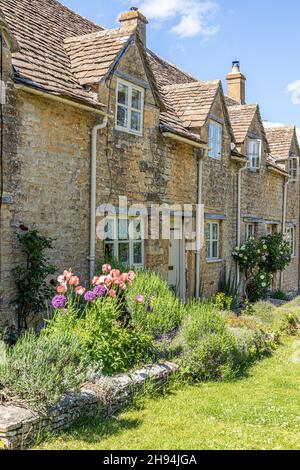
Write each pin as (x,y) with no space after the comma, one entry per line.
(260,259)
(161,312)
(30,277)
(40,369)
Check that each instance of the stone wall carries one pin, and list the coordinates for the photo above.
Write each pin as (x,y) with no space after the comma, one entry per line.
(20,426)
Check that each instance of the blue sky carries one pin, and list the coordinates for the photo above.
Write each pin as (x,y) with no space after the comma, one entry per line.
(204,36)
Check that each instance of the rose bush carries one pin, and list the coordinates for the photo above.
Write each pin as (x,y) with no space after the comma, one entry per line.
(260,259)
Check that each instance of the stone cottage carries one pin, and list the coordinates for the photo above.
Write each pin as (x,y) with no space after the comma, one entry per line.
(92,117)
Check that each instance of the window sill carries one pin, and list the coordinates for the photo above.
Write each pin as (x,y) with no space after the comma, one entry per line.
(127,131)
(214,261)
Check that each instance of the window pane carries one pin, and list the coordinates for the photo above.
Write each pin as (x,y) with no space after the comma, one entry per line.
(211,139)
(136,230)
(136,99)
(122,116)
(215,232)
(218,141)
(109,251)
(208,253)
(123,94)
(109,230)
(215,254)
(136,121)
(137,253)
(123,229)
(124,252)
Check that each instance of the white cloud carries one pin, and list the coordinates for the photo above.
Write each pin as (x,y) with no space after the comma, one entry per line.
(191,16)
(294,88)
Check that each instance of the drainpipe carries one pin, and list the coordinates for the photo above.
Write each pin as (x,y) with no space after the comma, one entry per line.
(284,213)
(198,223)
(239,213)
(92,257)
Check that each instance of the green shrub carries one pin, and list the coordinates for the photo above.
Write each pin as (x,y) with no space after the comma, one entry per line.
(161,312)
(251,345)
(279,295)
(211,359)
(42,369)
(223,302)
(107,341)
(290,324)
(229,285)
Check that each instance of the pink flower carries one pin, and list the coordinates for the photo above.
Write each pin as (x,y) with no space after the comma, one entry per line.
(95,280)
(140,299)
(115,273)
(101,280)
(61,279)
(112,293)
(68,275)
(62,289)
(131,276)
(80,290)
(74,281)
(106,268)
(108,281)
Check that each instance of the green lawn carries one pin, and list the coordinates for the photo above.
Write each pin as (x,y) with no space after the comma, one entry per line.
(260,411)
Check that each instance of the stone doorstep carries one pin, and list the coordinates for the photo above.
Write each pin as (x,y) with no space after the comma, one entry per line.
(19,426)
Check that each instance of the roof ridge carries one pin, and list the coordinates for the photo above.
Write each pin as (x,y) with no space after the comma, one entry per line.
(101,32)
(191,84)
(187,74)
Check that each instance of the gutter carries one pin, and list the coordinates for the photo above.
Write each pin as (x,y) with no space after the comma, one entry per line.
(184,140)
(60,99)
(239,214)
(284,213)
(92,256)
(198,223)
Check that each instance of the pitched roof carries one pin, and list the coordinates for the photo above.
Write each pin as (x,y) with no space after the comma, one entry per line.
(271,163)
(40,26)
(241,117)
(280,140)
(92,55)
(192,102)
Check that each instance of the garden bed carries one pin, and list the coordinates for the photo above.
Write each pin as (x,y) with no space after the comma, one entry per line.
(20,426)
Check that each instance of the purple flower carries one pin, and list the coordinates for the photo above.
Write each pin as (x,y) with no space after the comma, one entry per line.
(89,296)
(59,301)
(99,291)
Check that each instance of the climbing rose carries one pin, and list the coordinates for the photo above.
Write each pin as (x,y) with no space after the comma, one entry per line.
(89,296)
(59,301)
(74,281)
(80,290)
(140,298)
(99,291)
(62,289)
(106,268)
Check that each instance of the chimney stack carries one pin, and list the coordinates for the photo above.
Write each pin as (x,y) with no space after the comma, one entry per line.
(236,84)
(133,21)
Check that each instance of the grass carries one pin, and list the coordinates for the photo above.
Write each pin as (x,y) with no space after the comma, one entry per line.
(259,411)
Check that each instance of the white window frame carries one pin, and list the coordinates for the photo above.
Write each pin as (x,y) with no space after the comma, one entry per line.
(215,146)
(292,239)
(291,169)
(249,227)
(250,160)
(210,241)
(115,242)
(129,107)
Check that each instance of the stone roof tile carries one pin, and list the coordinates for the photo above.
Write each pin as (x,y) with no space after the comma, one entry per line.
(280,140)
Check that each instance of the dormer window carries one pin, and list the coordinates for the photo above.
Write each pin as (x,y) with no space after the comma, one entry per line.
(130,108)
(294,168)
(254,154)
(215,140)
